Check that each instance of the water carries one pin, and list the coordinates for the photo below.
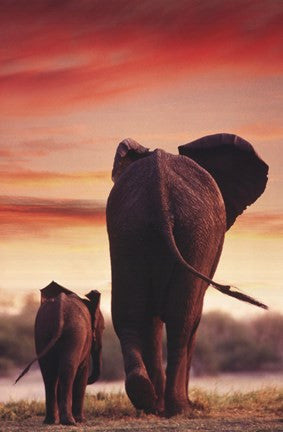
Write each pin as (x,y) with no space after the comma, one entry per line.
(31,386)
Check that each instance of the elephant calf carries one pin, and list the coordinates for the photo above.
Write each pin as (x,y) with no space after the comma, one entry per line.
(68,341)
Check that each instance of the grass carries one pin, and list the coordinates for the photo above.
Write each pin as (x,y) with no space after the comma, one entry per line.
(257,411)
(267,402)
(264,402)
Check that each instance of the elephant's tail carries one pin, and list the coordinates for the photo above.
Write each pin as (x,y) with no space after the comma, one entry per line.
(171,242)
(225,289)
(50,344)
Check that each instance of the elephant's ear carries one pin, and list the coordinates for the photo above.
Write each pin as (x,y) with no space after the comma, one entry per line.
(94,302)
(97,329)
(128,151)
(237,169)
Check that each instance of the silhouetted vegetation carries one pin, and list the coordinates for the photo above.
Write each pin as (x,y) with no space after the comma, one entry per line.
(224,344)
(16,336)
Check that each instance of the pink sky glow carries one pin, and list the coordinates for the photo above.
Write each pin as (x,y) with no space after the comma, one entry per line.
(77,77)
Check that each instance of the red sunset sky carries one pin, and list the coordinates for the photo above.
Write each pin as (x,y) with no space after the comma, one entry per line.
(78,76)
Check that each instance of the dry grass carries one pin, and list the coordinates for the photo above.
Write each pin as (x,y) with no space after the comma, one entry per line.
(257,411)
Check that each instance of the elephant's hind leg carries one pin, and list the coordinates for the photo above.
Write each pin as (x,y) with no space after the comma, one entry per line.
(79,388)
(50,378)
(181,324)
(130,290)
(152,354)
(67,374)
(138,385)
(176,400)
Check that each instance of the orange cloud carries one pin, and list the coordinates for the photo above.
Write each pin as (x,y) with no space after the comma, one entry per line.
(262,130)
(269,224)
(67,54)
(24,151)
(23,216)
(41,178)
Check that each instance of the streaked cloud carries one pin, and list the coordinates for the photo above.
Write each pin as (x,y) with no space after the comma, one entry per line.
(30,149)
(262,130)
(28,214)
(59,55)
(267,224)
(23,216)
(46,177)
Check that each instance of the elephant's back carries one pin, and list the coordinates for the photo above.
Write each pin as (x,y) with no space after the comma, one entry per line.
(189,192)
(47,322)
(158,202)
(77,320)
(129,206)
(193,194)
(65,317)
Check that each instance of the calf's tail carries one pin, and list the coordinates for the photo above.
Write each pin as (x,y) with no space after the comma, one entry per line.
(48,347)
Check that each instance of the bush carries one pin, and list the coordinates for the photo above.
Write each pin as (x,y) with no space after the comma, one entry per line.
(16,336)
(224,344)
(112,362)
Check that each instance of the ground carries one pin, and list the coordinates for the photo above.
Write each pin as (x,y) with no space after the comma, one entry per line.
(226,424)
(259,411)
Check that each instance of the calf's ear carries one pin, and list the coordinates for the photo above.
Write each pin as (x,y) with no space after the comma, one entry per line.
(128,151)
(240,173)
(53,290)
(94,299)
(97,329)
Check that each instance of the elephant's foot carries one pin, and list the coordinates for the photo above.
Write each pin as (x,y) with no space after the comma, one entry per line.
(50,420)
(176,410)
(141,391)
(160,409)
(67,420)
(177,406)
(80,418)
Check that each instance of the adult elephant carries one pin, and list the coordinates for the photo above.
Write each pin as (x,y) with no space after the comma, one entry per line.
(68,341)
(166,217)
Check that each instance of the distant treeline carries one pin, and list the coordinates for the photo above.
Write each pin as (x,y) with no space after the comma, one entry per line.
(224,344)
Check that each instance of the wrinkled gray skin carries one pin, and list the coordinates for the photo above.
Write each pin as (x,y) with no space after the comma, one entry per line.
(165,211)
(68,333)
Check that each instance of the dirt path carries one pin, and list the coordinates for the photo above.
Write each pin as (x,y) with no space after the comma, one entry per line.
(152,424)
